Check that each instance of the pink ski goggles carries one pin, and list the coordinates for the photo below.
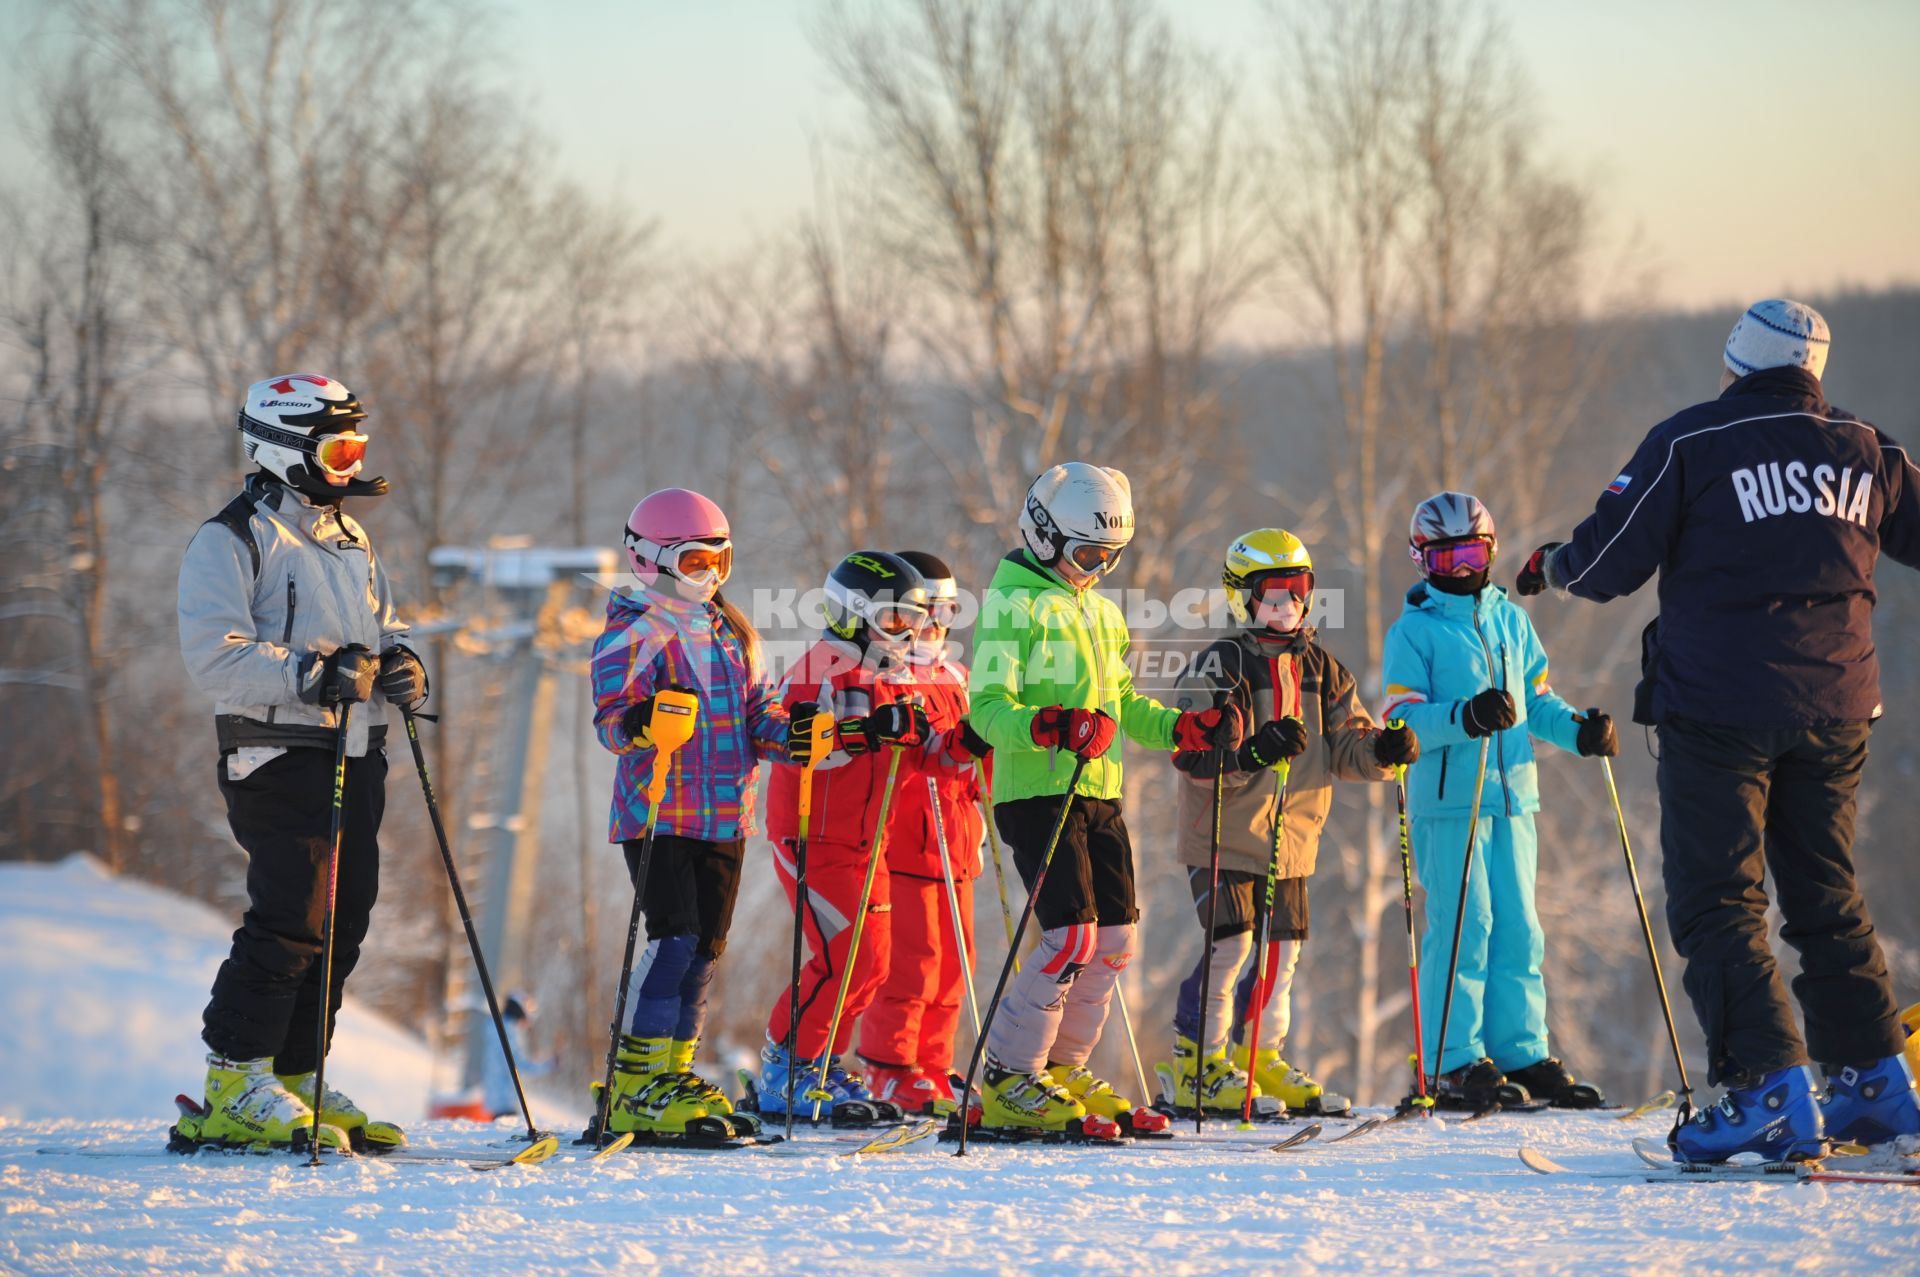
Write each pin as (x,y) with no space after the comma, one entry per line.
(1444,558)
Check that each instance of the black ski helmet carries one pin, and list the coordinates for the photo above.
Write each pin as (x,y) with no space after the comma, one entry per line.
(872,595)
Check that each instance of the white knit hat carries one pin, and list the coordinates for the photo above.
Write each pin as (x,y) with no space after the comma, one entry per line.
(1778,334)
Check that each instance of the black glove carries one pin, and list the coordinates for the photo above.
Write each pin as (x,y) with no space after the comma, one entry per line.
(1489,712)
(898,723)
(800,734)
(1277,739)
(403,679)
(343,676)
(1397,746)
(637,721)
(973,742)
(1596,739)
(1533,577)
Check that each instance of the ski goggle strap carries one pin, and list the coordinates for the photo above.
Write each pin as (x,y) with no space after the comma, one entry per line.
(1444,558)
(1094,556)
(338,454)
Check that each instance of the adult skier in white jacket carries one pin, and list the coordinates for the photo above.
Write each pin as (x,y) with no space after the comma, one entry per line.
(286,617)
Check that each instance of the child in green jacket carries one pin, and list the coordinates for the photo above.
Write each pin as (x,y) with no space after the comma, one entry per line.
(1050,677)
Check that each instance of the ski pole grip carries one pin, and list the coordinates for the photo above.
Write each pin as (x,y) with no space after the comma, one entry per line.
(671,726)
(820,741)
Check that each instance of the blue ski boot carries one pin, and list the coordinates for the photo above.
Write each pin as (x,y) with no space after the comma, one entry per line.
(1777,1117)
(1872,1105)
(841,1098)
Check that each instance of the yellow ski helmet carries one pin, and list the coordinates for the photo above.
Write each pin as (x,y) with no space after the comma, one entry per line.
(1255,554)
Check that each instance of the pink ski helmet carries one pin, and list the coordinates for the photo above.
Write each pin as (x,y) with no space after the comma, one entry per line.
(682,535)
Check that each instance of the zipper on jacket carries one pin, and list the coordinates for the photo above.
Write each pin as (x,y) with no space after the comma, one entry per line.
(286,632)
(1099,671)
(1444,749)
(1500,741)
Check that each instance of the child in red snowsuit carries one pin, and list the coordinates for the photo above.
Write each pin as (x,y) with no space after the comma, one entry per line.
(858,673)
(906,1037)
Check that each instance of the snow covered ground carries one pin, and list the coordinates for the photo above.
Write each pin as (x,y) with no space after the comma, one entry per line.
(94,974)
(1400,1200)
(102,980)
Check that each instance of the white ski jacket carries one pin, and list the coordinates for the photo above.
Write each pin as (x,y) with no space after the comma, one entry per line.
(258,612)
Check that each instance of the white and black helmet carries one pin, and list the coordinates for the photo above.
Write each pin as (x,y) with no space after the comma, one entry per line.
(1079,511)
(303,426)
(877,598)
(1449,516)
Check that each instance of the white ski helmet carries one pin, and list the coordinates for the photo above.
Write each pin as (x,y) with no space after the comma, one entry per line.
(1075,508)
(1449,516)
(304,426)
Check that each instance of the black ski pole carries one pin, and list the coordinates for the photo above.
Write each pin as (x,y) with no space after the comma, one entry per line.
(1263,938)
(1419,1100)
(1466,869)
(1685,1108)
(1213,920)
(466,918)
(1013,952)
(820,739)
(326,930)
(671,726)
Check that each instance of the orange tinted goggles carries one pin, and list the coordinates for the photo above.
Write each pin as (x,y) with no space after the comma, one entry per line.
(340,454)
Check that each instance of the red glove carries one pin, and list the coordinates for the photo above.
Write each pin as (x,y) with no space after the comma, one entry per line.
(1085,732)
(1222,727)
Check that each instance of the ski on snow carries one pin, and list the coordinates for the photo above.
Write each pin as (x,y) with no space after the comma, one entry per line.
(1658,1167)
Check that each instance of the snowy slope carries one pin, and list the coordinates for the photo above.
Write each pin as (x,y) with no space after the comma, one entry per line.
(101,984)
(1452,1201)
(102,981)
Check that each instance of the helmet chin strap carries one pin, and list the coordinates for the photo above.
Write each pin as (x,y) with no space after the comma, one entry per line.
(302,480)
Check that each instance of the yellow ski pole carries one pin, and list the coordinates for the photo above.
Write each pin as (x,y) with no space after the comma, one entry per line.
(877,850)
(999,870)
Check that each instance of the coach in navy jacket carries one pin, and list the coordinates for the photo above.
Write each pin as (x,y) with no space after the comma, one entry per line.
(1764,512)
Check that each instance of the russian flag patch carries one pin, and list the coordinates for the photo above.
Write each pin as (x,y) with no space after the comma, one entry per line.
(1620,485)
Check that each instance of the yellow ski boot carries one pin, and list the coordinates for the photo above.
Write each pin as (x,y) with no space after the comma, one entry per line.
(650,1098)
(715,1099)
(366,1135)
(1011,1100)
(1222,1084)
(1100,1099)
(1294,1088)
(247,1104)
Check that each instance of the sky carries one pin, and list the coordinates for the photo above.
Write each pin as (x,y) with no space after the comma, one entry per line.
(1754,147)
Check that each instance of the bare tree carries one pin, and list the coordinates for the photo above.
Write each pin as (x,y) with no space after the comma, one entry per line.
(1445,265)
(1061,183)
(70,310)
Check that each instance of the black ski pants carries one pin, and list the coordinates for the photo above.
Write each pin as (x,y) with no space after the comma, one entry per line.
(1738,803)
(266,997)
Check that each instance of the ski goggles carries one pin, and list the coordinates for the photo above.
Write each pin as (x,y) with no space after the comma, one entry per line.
(1295,581)
(1094,556)
(690,561)
(896,618)
(340,455)
(1444,558)
(944,612)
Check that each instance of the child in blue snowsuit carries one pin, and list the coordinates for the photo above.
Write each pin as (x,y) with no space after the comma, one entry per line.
(1463,665)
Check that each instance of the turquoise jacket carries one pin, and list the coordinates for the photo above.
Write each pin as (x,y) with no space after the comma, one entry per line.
(1434,664)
